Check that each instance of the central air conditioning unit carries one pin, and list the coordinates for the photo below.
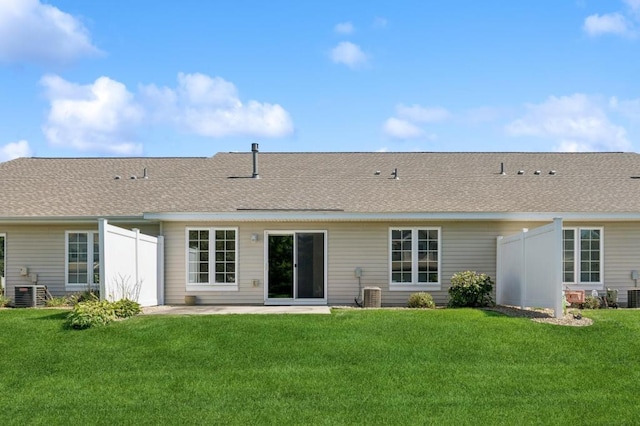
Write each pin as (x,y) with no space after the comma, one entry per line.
(372,297)
(30,296)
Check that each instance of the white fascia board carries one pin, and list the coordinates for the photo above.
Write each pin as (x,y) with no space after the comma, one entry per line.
(279,216)
(71,219)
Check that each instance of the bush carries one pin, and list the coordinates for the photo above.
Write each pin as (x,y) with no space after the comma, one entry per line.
(591,302)
(4,301)
(421,300)
(470,289)
(125,308)
(90,314)
(57,301)
(85,296)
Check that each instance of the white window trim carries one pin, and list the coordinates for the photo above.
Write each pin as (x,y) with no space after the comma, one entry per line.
(577,284)
(415,285)
(80,286)
(209,286)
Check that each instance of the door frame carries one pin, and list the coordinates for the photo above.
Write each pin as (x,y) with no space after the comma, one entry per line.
(293,301)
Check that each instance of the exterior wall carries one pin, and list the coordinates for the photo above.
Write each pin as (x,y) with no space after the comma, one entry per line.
(41,248)
(464,245)
(621,256)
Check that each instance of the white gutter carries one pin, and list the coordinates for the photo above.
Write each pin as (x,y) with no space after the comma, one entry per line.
(280,216)
(70,219)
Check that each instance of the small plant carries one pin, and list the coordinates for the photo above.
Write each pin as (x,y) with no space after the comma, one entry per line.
(591,302)
(4,300)
(57,301)
(126,308)
(90,295)
(470,289)
(92,313)
(421,300)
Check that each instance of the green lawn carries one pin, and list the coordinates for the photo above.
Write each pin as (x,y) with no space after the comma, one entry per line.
(352,367)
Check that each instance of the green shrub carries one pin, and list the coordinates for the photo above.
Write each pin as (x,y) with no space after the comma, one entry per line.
(591,302)
(85,296)
(91,313)
(4,301)
(471,289)
(57,301)
(125,308)
(421,300)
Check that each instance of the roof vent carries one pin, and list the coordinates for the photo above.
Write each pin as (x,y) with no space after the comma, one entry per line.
(394,173)
(116,177)
(144,174)
(502,172)
(537,172)
(377,173)
(552,172)
(520,172)
(254,151)
(133,177)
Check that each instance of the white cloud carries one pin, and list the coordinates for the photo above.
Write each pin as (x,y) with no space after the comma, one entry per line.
(380,22)
(483,115)
(101,116)
(575,122)
(210,106)
(634,5)
(34,32)
(420,114)
(610,23)
(14,150)
(401,129)
(344,28)
(348,54)
(628,108)
(404,125)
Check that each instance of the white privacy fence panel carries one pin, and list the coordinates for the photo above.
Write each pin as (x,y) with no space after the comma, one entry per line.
(509,289)
(130,265)
(529,269)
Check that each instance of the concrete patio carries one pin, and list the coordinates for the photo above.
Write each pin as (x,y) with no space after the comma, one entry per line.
(225,310)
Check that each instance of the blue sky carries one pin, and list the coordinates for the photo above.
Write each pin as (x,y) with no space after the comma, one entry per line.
(191,78)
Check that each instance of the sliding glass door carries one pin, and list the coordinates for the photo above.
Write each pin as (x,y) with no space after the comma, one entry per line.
(296,267)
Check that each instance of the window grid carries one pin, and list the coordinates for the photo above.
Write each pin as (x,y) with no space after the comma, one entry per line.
(582,255)
(415,256)
(427,256)
(401,256)
(589,255)
(83,258)
(212,255)
(225,257)
(199,256)
(568,259)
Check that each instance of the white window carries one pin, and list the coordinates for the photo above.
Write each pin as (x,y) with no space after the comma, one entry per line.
(82,266)
(414,257)
(212,258)
(582,256)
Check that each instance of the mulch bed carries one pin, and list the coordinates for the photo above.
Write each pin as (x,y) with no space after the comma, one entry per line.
(543,316)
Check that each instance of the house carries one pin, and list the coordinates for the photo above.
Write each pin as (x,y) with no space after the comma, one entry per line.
(314,228)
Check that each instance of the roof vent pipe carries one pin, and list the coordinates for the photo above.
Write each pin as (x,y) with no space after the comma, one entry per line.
(394,173)
(254,151)
(144,174)
(502,172)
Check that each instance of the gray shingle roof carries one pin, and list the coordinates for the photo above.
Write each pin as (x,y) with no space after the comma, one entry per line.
(428,182)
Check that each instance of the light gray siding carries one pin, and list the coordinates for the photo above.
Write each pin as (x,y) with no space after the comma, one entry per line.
(465,245)
(41,248)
